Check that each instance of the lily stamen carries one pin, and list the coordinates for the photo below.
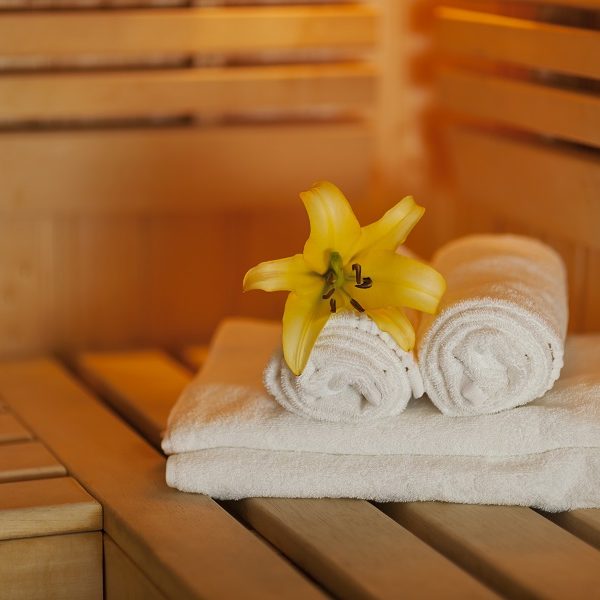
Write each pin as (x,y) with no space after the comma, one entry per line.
(328,294)
(356,305)
(367,282)
(357,272)
(330,278)
(333,305)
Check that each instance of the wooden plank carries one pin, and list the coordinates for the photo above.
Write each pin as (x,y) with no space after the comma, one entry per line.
(585,524)
(195,356)
(518,179)
(586,4)
(185,91)
(533,107)
(187,30)
(123,578)
(339,542)
(28,460)
(107,171)
(591,312)
(513,549)
(529,43)
(68,567)
(46,507)
(11,430)
(184,542)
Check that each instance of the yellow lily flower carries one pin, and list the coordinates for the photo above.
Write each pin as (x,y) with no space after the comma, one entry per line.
(346,267)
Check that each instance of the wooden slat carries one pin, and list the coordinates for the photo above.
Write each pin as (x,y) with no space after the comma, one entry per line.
(193,170)
(139,93)
(11,430)
(195,356)
(513,549)
(68,567)
(27,460)
(586,4)
(585,524)
(46,507)
(122,577)
(347,545)
(536,108)
(531,44)
(518,179)
(188,30)
(185,543)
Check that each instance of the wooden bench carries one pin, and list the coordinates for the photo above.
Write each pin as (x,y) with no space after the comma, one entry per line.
(50,527)
(162,543)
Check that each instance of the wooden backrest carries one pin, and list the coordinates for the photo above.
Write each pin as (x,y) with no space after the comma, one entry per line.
(519,87)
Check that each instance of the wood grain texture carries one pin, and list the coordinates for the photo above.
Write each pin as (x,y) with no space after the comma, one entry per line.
(187,92)
(46,507)
(98,172)
(184,542)
(68,567)
(28,460)
(549,186)
(187,30)
(11,430)
(513,549)
(123,579)
(532,44)
(532,107)
(339,542)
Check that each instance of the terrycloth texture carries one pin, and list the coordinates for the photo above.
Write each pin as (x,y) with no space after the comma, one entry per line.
(498,339)
(355,373)
(229,439)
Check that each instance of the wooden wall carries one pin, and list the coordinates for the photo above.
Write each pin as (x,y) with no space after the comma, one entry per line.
(152,150)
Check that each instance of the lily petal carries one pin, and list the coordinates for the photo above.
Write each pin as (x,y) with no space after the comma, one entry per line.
(291,274)
(395,322)
(398,281)
(392,229)
(333,226)
(303,319)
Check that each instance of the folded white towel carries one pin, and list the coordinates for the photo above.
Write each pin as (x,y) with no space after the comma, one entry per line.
(355,373)
(229,439)
(498,339)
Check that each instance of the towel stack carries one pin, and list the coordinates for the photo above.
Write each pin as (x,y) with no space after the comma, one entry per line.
(348,426)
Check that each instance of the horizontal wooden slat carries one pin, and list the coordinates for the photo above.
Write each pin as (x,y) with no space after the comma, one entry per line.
(46,507)
(585,524)
(27,460)
(522,180)
(513,549)
(347,545)
(231,29)
(11,429)
(192,169)
(56,566)
(187,91)
(187,545)
(537,108)
(529,43)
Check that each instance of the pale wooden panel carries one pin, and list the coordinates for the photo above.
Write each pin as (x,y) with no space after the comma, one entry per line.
(25,272)
(189,91)
(513,549)
(339,542)
(528,43)
(68,567)
(46,507)
(28,460)
(192,169)
(187,545)
(219,29)
(123,579)
(11,429)
(524,180)
(533,107)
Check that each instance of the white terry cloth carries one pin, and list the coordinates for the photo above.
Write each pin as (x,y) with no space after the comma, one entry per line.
(498,339)
(229,439)
(355,373)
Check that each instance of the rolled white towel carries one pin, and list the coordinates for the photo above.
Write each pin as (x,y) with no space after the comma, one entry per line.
(498,339)
(355,373)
